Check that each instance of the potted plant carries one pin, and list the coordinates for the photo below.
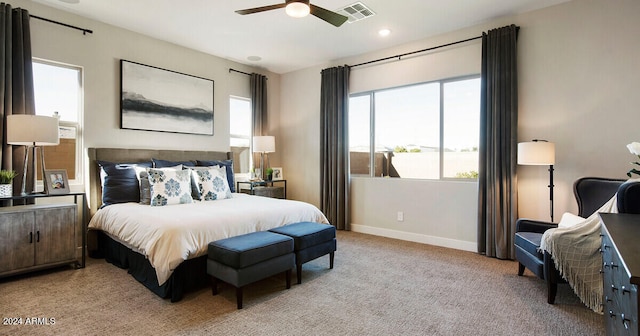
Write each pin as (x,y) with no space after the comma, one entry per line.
(269,174)
(6,182)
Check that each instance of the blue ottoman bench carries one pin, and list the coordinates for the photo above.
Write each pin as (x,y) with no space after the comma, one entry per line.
(311,240)
(247,258)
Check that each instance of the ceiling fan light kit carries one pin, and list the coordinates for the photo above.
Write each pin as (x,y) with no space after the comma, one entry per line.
(297,9)
(300,8)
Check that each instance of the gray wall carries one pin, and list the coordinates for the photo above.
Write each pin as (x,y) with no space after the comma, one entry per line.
(99,55)
(579,73)
(578,77)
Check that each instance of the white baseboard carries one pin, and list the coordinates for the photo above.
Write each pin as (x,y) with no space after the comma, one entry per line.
(416,237)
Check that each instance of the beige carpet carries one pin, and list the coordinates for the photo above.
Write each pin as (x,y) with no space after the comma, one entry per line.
(378,286)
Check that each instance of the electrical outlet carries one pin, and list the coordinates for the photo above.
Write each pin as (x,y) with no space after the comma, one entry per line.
(400,216)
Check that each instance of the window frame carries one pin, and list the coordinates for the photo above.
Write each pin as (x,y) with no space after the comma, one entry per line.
(372,115)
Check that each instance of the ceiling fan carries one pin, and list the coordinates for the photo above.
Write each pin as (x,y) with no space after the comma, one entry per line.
(301,8)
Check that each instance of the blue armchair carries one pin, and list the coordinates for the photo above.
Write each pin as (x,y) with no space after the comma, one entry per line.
(590,193)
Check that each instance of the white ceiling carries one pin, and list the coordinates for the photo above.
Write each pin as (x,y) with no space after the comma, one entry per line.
(286,44)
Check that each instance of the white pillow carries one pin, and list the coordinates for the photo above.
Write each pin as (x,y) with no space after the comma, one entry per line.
(568,220)
(169,186)
(212,183)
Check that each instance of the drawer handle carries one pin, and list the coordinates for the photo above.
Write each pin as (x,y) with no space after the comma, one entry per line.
(38,236)
(613,265)
(625,321)
(605,265)
(611,314)
(625,290)
(614,288)
(30,237)
(607,299)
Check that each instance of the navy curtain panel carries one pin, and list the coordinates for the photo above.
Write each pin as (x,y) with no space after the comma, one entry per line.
(258,88)
(497,182)
(258,84)
(16,87)
(334,146)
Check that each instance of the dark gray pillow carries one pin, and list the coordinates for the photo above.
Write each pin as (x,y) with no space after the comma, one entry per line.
(157,163)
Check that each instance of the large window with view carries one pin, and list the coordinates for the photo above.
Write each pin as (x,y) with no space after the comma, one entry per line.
(240,134)
(58,92)
(422,131)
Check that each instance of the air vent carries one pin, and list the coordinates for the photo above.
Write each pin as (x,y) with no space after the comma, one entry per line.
(356,12)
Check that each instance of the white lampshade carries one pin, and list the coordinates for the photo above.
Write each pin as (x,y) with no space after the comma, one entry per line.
(264,144)
(32,130)
(298,9)
(536,153)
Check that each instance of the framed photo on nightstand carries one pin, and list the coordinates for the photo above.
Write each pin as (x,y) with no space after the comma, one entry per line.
(56,182)
(277,174)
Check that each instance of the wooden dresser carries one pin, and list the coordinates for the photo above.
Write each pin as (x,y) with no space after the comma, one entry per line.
(621,272)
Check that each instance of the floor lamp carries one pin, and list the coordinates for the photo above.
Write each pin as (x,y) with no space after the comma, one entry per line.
(32,131)
(263,144)
(539,153)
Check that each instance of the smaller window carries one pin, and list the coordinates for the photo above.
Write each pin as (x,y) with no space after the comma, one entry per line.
(58,92)
(240,134)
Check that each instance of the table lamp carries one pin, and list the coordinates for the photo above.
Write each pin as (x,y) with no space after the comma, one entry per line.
(32,131)
(263,144)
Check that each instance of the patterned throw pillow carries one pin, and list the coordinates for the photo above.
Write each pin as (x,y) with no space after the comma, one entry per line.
(212,183)
(145,186)
(169,186)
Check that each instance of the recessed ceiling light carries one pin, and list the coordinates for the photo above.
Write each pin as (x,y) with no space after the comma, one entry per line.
(254,58)
(384,32)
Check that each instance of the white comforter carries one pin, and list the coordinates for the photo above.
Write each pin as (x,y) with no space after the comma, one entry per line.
(168,235)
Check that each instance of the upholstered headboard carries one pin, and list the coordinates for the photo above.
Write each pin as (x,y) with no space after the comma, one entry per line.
(125,155)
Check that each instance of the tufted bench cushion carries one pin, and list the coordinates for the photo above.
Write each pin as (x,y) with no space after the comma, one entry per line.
(245,259)
(311,241)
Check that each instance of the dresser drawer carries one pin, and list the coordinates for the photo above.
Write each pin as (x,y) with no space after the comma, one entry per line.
(620,296)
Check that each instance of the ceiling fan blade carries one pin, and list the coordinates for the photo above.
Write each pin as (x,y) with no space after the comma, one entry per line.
(260,9)
(327,15)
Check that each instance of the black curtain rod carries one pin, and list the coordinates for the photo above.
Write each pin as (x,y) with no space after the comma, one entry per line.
(84,31)
(238,71)
(415,52)
(242,72)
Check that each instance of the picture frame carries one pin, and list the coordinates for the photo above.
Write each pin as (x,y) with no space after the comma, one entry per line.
(277,174)
(161,100)
(56,182)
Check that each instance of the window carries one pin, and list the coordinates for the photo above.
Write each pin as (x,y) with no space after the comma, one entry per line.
(58,92)
(424,131)
(240,134)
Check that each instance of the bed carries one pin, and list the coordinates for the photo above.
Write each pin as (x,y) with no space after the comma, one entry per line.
(165,247)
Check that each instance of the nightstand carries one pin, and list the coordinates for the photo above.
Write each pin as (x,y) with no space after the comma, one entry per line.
(275,189)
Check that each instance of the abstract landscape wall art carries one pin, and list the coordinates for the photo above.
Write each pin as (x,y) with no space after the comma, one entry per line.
(155,99)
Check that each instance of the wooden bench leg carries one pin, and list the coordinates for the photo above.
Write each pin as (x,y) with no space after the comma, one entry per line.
(214,286)
(299,272)
(520,269)
(239,297)
(331,259)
